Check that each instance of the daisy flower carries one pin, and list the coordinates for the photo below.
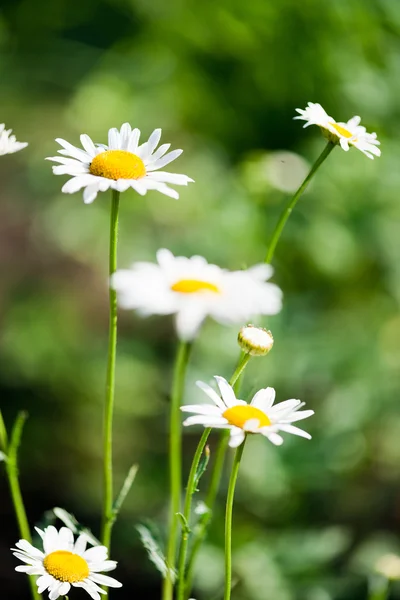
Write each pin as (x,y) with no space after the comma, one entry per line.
(346,134)
(8,143)
(193,289)
(121,165)
(64,563)
(260,416)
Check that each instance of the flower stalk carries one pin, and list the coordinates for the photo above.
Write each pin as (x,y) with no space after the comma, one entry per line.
(288,209)
(175,462)
(108,516)
(184,579)
(228,521)
(11,465)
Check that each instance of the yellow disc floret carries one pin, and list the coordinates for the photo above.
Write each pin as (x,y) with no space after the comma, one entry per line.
(341,130)
(192,286)
(117,164)
(239,415)
(66,566)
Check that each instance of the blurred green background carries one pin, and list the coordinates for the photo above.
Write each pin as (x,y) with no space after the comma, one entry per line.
(222,78)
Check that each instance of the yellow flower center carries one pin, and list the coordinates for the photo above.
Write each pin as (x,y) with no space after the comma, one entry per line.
(117,164)
(66,566)
(191,286)
(341,130)
(239,415)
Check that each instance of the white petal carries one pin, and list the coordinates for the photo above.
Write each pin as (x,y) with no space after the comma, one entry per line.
(201,409)
(227,393)
(285,406)
(165,160)
(96,554)
(153,140)
(105,565)
(113,139)
(80,544)
(71,150)
(50,540)
(211,394)
(29,549)
(91,588)
(236,439)
(174,178)
(105,580)
(275,438)
(252,425)
(133,141)
(87,143)
(77,183)
(264,399)
(295,431)
(65,539)
(125,134)
(207,421)
(297,416)
(159,153)
(64,589)
(55,590)
(44,582)
(90,193)
(188,321)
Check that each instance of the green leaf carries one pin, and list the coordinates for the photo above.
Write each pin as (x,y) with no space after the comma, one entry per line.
(70,521)
(126,486)
(183,520)
(154,552)
(202,467)
(3,433)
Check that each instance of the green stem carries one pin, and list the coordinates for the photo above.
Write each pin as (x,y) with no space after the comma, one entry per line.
(287,211)
(175,462)
(190,490)
(15,489)
(378,588)
(214,483)
(228,521)
(108,517)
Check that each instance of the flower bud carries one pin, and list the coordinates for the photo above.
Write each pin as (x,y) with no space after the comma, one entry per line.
(255,340)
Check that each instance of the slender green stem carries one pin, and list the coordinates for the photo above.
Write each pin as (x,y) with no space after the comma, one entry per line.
(108,517)
(287,211)
(186,513)
(378,588)
(213,487)
(11,465)
(175,463)
(228,520)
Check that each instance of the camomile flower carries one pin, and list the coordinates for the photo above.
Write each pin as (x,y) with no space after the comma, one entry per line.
(8,142)
(260,416)
(193,289)
(64,563)
(123,164)
(346,134)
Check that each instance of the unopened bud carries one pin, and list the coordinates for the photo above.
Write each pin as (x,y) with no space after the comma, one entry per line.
(255,340)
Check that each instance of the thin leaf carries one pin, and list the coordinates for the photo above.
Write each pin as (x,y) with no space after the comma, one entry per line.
(183,520)
(3,434)
(202,467)
(70,521)
(126,486)
(154,552)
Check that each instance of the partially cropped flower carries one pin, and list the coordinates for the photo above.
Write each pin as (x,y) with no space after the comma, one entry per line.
(121,165)
(389,566)
(64,563)
(193,289)
(256,341)
(260,416)
(8,142)
(346,134)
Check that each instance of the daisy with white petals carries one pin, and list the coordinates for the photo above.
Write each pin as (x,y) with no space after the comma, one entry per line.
(8,142)
(193,289)
(123,164)
(260,416)
(64,563)
(346,134)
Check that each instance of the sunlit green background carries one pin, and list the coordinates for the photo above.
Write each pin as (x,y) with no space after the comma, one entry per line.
(222,78)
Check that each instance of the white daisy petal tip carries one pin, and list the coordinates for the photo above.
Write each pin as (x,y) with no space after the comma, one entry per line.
(59,567)
(345,134)
(121,163)
(8,142)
